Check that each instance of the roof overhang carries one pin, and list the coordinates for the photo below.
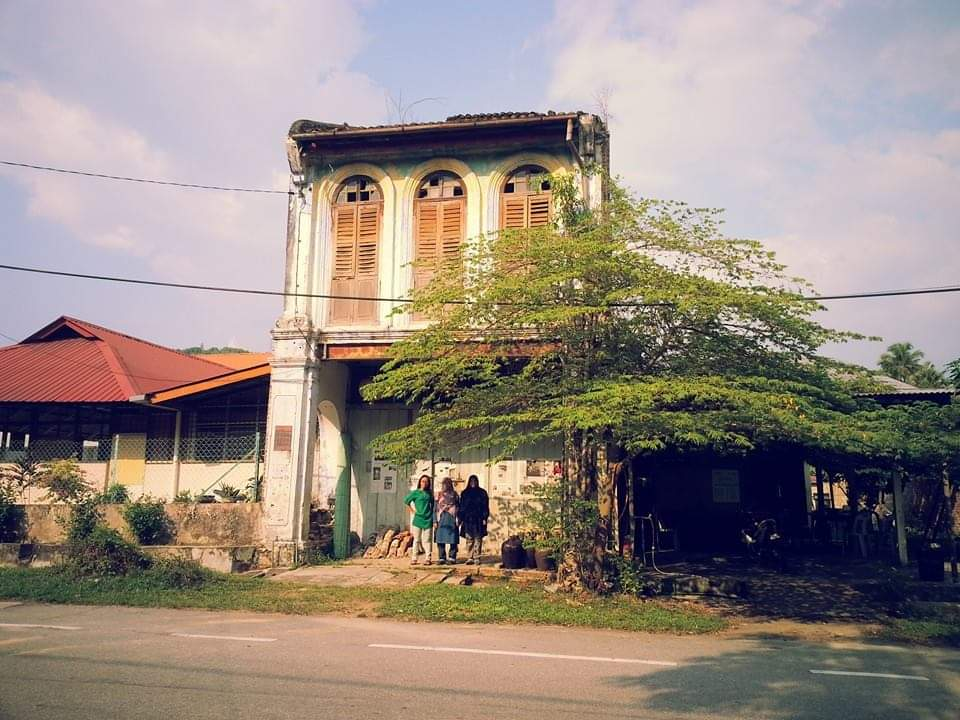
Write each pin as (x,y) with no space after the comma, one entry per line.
(216,383)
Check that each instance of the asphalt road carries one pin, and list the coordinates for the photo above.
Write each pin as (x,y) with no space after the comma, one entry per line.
(80,663)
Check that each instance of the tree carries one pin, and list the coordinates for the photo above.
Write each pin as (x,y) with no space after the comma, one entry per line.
(634,327)
(953,373)
(927,376)
(901,361)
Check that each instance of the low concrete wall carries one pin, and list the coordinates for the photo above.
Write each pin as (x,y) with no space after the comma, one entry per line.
(225,559)
(223,524)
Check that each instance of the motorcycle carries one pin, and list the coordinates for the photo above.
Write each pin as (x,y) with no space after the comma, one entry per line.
(764,543)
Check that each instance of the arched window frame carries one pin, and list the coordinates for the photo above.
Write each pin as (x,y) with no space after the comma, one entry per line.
(521,207)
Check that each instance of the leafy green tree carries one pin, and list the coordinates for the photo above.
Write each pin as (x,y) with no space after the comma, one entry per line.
(953,373)
(901,360)
(927,376)
(638,326)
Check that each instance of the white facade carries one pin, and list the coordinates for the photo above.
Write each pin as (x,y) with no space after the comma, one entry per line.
(312,426)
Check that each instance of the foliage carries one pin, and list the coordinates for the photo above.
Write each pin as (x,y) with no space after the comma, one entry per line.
(85,517)
(638,324)
(17,477)
(103,552)
(953,373)
(228,493)
(183,496)
(903,362)
(254,488)
(201,350)
(115,494)
(149,522)
(177,573)
(64,482)
(12,517)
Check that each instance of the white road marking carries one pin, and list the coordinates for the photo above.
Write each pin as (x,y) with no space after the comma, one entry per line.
(517,653)
(44,627)
(224,637)
(890,676)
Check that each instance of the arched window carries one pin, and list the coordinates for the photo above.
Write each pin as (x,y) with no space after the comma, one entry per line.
(356,233)
(526,198)
(439,213)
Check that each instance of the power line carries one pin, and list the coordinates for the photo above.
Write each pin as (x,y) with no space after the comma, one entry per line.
(329,296)
(125,178)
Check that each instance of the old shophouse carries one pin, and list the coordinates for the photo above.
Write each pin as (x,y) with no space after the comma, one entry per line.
(366,203)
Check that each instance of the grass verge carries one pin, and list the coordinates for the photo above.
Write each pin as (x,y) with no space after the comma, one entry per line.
(434,603)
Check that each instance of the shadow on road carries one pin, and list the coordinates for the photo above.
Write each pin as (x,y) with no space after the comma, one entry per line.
(772,679)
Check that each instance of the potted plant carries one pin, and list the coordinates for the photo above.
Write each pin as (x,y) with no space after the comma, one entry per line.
(228,493)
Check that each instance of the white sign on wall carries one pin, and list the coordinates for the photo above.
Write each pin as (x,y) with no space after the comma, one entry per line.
(726,486)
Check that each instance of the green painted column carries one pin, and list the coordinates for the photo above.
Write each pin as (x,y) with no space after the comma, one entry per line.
(341,510)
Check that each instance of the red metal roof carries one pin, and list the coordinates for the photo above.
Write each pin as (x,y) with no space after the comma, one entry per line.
(70,360)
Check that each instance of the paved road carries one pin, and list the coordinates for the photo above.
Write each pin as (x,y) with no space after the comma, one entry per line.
(84,663)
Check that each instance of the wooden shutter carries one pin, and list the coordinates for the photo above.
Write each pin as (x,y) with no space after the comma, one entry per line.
(538,209)
(514,212)
(356,232)
(368,237)
(440,231)
(427,241)
(451,230)
(344,262)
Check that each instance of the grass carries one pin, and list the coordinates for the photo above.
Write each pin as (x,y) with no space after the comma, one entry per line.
(925,632)
(434,603)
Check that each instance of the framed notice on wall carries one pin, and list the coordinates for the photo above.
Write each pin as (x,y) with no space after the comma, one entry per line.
(383,477)
(726,486)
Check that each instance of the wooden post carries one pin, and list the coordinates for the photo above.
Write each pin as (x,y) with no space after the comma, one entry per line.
(898,515)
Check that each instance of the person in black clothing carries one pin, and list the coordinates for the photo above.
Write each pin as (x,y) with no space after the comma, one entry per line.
(474,512)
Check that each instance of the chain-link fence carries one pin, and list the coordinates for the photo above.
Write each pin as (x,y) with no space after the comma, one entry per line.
(156,466)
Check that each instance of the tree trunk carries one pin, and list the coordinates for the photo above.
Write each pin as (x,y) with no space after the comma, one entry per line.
(605,495)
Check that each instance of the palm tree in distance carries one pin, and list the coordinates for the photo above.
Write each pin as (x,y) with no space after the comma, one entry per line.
(927,376)
(901,361)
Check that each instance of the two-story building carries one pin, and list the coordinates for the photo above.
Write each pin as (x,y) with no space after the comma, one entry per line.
(367,203)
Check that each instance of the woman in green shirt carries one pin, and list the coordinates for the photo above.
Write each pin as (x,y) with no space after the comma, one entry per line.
(419,504)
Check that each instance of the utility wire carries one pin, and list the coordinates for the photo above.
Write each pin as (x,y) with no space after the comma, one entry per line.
(329,296)
(124,178)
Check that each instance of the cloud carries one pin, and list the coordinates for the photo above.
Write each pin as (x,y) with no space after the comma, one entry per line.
(186,91)
(809,129)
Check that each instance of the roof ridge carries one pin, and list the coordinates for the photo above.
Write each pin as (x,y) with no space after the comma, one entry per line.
(140,340)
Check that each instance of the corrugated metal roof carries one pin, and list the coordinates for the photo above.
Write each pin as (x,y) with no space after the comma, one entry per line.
(310,128)
(238,361)
(71,360)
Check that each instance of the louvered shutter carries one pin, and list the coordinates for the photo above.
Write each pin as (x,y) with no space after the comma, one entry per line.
(514,212)
(344,263)
(538,209)
(356,233)
(451,230)
(368,236)
(427,241)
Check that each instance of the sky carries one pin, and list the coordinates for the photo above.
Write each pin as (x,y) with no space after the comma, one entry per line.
(829,130)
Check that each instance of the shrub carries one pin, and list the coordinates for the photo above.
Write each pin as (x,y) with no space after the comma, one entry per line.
(64,482)
(116,494)
(177,573)
(148,521)
(184,496)
(104,552)
(85,517)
